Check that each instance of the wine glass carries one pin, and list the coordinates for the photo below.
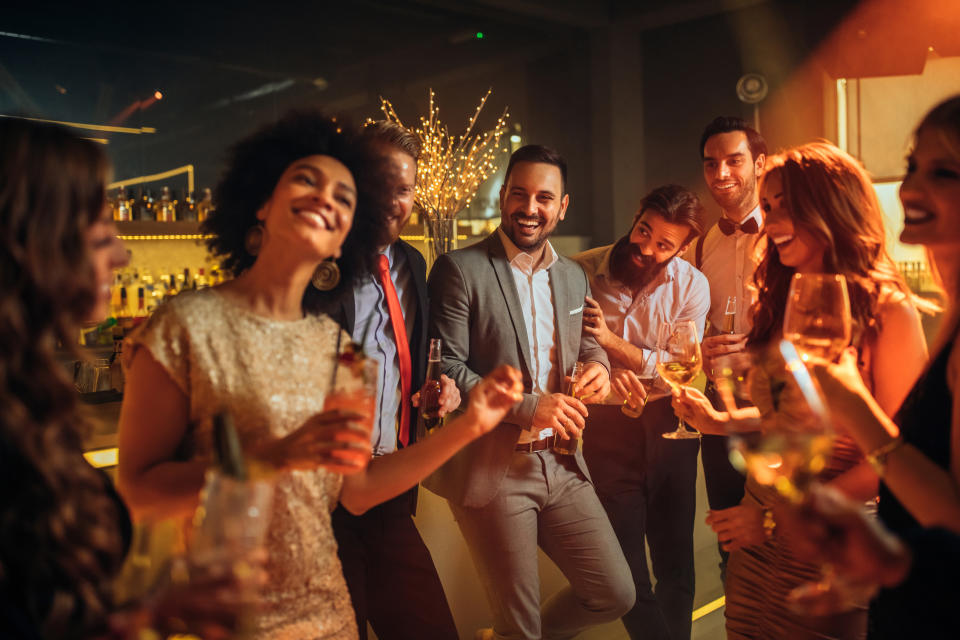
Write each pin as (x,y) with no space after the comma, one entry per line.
(678,363)
(817,320)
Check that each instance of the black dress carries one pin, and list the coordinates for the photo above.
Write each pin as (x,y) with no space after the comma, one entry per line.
(28,580)
(923,606)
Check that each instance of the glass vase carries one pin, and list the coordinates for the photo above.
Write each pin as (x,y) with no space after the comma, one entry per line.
(440,237)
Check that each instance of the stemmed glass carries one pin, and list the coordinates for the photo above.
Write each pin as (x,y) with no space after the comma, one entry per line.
(678,362)
(817,319)
(817,322)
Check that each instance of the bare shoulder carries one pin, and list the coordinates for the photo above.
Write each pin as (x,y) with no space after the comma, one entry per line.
(897,309)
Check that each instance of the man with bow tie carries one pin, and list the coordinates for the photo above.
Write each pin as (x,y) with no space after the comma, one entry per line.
(733,156)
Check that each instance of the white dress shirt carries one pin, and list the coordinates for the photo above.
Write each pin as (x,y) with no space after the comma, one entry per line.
(678,292)
(729,263)
(536,305)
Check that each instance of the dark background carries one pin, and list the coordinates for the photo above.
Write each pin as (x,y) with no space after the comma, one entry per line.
(622,89)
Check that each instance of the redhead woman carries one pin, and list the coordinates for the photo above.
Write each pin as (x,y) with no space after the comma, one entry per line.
(822,216)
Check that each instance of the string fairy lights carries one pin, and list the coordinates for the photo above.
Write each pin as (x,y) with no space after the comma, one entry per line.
(451,167)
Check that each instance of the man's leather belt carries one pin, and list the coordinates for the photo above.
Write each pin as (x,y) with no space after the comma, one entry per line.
(536,445)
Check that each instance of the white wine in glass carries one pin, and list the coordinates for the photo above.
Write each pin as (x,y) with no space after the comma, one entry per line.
(679,363)
(817,319)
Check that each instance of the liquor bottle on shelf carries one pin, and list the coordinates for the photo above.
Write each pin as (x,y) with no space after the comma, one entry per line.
(205,206)
(187,207)
(136,205)
(200,282)
(121,206)
(124,318)
(146,206)
(165,209)
(430,392)
(141,313)
(116,305)
(172,289)
(184,281)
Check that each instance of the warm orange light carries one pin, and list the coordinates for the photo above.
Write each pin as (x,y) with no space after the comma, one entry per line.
(158,95)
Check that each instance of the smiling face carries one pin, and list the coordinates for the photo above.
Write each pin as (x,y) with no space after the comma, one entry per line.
(107,253)
(796,246)
(731,172)
(652,242)
(406,172)
(930,193)
(311,208)
(532,202)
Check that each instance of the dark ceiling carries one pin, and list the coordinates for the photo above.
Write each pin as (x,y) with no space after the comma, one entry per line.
(222,67)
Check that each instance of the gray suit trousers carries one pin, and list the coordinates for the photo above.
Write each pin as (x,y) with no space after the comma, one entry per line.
(545,500)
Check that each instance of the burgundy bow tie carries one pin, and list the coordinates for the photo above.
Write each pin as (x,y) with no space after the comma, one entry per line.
(728,226)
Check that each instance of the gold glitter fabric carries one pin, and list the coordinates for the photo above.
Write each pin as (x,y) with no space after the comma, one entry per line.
(271,376)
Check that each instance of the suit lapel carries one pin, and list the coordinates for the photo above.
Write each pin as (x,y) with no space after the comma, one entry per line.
(347,312)
(419,278)
(562,303)
(508,286)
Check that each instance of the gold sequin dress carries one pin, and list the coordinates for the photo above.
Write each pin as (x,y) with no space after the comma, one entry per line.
(271,376)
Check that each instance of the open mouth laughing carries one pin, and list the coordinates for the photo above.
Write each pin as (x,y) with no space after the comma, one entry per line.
(916,216)
(782,241)
(526,225)
(317,219)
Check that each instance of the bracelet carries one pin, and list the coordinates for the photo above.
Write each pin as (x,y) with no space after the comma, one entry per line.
(878,457)
(769,524)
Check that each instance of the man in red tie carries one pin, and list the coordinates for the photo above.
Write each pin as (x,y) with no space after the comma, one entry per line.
(391,577)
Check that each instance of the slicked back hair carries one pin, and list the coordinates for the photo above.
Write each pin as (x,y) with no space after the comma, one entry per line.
(728,124)
(542,154)
(391,134)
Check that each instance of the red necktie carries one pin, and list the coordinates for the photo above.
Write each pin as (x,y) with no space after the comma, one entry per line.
(403,347)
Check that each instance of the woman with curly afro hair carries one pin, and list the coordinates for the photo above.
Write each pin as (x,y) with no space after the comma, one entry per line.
(296,195)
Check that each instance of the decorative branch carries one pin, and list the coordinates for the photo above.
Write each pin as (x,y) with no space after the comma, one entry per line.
(451,168)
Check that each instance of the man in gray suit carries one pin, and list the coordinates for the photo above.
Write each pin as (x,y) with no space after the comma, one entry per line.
(511,299)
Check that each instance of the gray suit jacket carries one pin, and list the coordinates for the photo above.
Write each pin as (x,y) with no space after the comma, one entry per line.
(475,310)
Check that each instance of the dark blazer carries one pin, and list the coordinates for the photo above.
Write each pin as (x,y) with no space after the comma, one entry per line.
(476,310)
(343,313)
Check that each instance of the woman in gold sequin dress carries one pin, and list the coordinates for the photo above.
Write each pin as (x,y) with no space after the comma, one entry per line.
(290,196)
(822,216)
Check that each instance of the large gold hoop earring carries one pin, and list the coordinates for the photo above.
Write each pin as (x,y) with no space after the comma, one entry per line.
(326,276)
(253,239)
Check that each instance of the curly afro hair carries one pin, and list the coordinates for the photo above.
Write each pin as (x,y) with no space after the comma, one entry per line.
(255,165)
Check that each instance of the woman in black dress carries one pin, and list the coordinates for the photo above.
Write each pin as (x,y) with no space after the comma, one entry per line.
(917,455)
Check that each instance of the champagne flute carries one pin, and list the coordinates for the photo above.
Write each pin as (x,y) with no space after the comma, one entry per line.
(817,319)
(678,363)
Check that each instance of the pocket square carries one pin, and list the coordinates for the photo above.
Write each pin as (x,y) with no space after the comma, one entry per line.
(577,310)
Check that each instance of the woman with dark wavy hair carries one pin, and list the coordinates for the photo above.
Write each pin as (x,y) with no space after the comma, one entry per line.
(63,529)
(822,216)
(295,195)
